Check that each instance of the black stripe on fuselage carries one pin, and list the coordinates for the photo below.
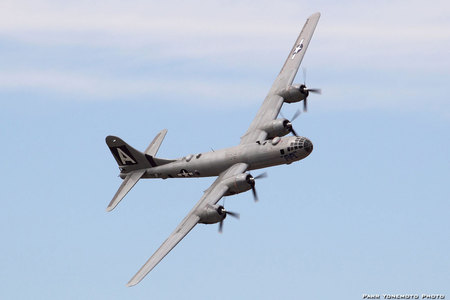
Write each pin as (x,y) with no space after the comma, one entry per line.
(151,160)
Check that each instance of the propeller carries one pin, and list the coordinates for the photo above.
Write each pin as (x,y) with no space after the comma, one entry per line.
(288,124)
(251,181)
(221,210)
(305,91)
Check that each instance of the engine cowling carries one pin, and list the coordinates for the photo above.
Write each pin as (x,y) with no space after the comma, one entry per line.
(294,93)
(239,184)
(278,127)
(212,214)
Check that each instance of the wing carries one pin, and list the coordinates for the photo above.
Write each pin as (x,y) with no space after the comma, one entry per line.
(211,196)
(273,102)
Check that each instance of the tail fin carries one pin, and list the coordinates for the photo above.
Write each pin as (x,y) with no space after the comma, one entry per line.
(128,158)
(133,163)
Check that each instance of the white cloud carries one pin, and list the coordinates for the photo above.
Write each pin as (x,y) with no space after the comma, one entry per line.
(81,86)
(395,37)
(139,23)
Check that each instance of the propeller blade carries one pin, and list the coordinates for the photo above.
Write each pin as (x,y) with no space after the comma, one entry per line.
(233,214)
(297,113)
(304,75)
(262,175)
(293,132)
(306,91)
(317,91)
(255,195)
(221,226)
(289,126)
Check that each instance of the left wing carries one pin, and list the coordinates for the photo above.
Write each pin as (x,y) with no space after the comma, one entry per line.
(211,196)
(273,102)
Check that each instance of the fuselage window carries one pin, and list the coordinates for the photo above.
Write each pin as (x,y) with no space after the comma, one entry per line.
(282,151)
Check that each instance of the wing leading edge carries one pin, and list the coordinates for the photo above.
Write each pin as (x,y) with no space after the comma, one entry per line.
(273,102)
(211,196)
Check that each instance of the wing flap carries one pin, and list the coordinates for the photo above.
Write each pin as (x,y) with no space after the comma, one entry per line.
(127,184)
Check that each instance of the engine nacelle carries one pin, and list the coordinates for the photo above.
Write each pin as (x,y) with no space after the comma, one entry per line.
(217,213)
(239,184)
(212,214)
(294,93)
(278,127)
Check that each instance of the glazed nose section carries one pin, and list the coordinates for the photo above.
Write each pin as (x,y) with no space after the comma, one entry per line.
(308,146)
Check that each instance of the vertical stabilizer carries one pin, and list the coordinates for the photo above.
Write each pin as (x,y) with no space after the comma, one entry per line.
(133,163)
(128,158)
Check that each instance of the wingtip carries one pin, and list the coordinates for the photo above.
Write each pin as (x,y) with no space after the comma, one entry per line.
(164,132)
(132,282)
(111,205)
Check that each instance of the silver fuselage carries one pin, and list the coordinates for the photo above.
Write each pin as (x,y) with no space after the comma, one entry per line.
(257,155)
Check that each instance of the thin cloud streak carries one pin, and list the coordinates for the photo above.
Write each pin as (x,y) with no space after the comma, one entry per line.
(370,39)
(83,87)
(137,24)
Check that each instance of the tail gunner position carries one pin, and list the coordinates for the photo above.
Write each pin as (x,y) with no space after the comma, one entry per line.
(265,144)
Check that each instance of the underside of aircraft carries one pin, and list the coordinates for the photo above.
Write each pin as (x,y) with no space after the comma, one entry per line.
(266,143)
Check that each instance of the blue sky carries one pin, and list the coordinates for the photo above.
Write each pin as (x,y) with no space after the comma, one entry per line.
(366,212)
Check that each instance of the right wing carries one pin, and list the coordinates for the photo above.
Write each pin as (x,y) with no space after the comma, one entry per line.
(211,196)
(273,102)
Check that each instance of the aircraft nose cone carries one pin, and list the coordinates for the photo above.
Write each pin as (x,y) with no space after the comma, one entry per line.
(308,146)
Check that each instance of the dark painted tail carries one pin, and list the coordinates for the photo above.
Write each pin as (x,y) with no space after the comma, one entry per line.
(130,159)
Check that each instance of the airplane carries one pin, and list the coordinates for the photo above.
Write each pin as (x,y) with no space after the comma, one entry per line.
(263,145)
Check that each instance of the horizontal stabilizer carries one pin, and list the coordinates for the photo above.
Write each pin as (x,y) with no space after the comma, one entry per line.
(156,143)
(127,184)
